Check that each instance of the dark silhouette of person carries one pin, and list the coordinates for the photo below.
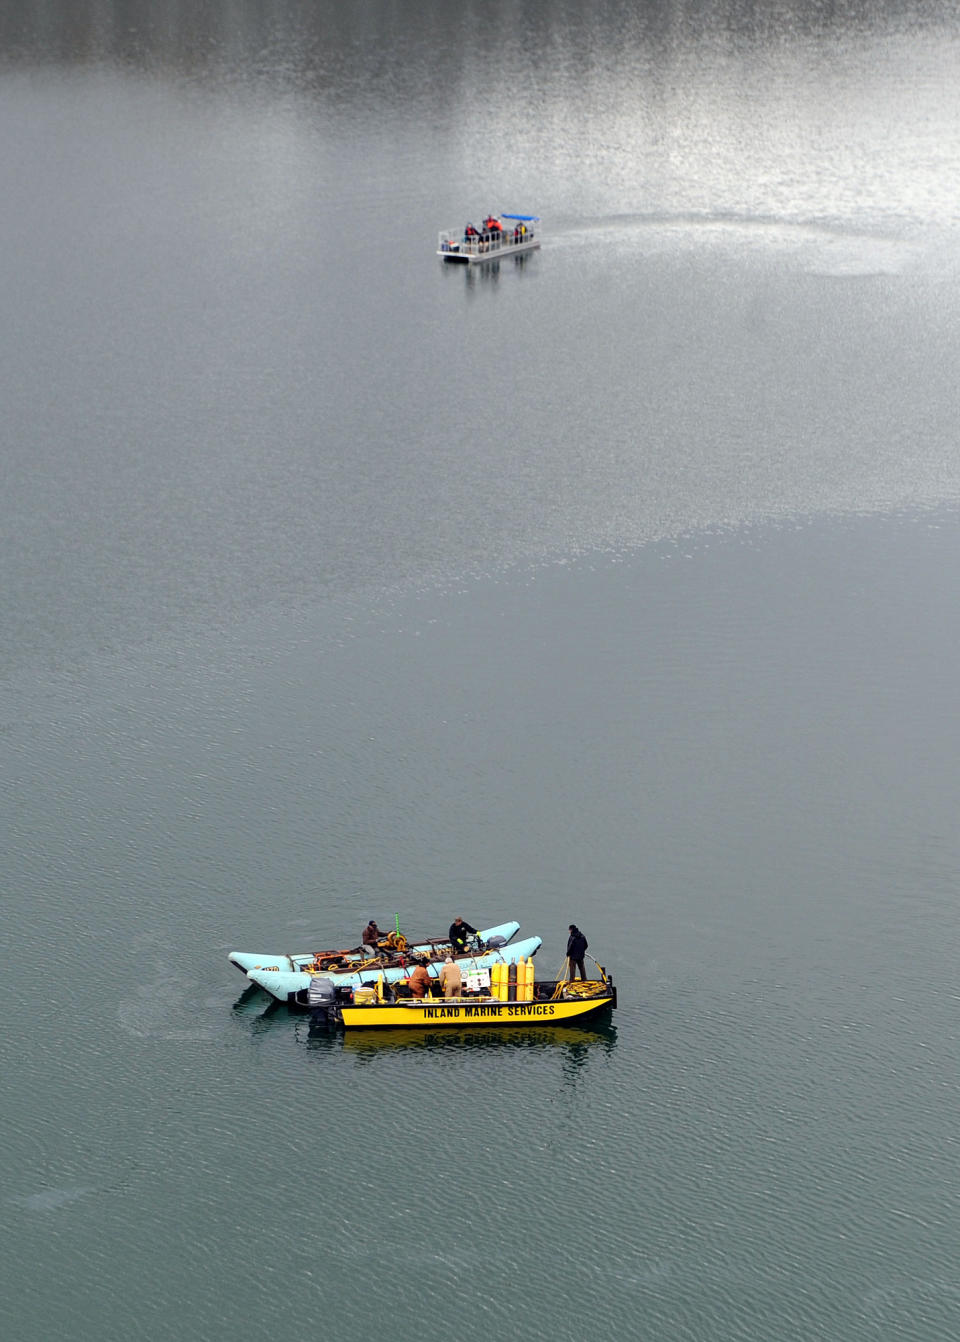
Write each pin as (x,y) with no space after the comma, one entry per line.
(459,932)
(576,950)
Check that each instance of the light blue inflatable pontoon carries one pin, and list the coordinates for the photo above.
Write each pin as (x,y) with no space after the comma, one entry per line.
(285,975)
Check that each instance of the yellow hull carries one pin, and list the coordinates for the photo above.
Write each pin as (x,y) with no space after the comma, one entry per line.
(438,1012)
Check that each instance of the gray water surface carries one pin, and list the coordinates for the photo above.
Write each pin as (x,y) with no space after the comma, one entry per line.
(614,587)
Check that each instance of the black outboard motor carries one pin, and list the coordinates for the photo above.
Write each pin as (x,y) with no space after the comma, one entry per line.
(322,1000)
(494,943)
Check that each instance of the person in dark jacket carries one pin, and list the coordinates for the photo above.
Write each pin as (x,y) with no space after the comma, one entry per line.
(576,950)
(459,931)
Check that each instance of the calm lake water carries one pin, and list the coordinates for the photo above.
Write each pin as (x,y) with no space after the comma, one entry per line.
(616,587)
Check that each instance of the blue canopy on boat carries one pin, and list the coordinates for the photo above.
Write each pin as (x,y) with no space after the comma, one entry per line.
(523,218)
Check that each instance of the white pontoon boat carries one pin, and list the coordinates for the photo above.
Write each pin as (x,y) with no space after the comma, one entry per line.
(499,235)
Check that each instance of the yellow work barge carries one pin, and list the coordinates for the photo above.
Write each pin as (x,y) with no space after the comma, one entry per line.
(554,1004)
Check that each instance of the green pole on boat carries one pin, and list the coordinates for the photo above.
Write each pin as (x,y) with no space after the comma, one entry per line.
(397,917)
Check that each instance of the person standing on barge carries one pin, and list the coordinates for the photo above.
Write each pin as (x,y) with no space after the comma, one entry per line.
(451,980)
(576,950)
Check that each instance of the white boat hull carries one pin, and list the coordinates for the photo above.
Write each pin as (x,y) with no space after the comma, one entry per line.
(464,257)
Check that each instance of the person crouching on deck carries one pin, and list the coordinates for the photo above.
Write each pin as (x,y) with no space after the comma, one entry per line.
(459,931)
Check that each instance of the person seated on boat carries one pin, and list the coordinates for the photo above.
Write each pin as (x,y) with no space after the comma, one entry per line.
(451,980)
(371,935)
(420,981)
(519,233)
(459,933)
(470,234)
(492,231)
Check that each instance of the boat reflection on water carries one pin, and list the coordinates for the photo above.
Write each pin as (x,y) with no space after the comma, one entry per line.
(489,272)
(250,1001)
(362,1044)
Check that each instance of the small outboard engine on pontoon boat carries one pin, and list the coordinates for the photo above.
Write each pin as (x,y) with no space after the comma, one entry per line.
(322,999)
(494,943)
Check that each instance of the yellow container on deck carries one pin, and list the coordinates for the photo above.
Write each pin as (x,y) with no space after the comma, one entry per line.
(527,993)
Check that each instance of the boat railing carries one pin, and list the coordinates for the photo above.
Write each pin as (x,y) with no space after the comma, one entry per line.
(497,242)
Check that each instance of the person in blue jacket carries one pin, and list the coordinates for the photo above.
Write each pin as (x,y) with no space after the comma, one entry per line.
(576,950)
